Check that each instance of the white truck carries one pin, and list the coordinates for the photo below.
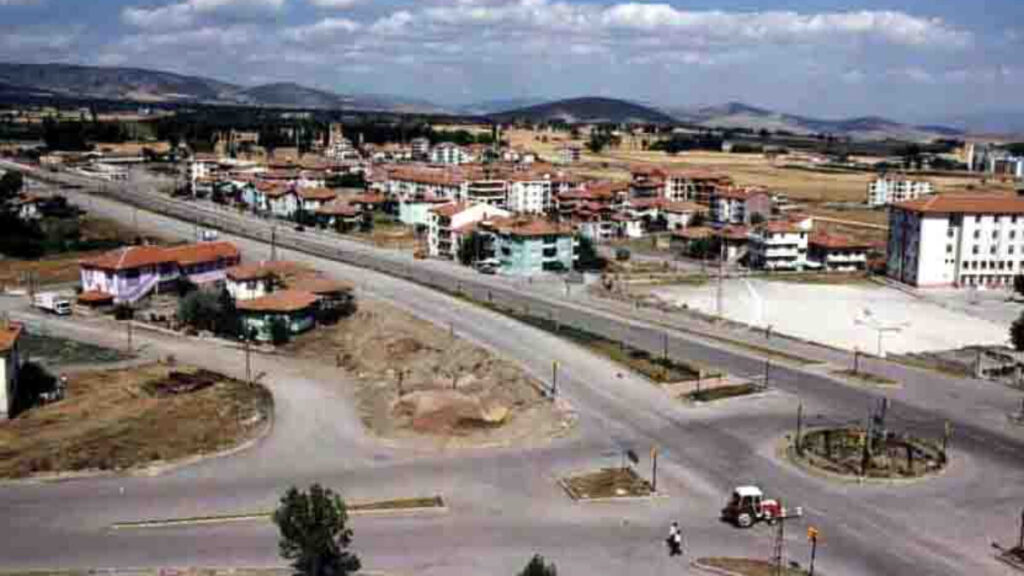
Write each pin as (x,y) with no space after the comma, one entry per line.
(52,302)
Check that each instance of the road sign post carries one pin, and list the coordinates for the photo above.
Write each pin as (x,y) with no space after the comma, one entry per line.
(799,427)
(812,535)
(554,378)
(654,471)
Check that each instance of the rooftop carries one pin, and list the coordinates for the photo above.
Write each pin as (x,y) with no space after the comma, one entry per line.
(142,256)
(263,269)
(968,204)
(283,301)
(838,242)
(9,335)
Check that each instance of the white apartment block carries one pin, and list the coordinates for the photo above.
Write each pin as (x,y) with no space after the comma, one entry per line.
(450,154)
(529,196)
(491,192)
(957,241)
(447,225)
(779,246)
(420,148)
(888,190)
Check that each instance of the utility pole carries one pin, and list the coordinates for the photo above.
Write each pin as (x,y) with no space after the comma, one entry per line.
(799,427)
(654,474)
(767,372)
(812,535)
(248,361)
(1020,543)
(273,243)
(778,557)
(554,378)
(856,361)
(721,275)
(131,314)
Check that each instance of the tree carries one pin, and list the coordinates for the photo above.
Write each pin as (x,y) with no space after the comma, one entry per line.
(699,219)
(537,567)
(1018,284)
(10,185)
(228,322)
(757,218)
(279,331)
(314,532)
(470,248)
(199,310)
(588,256)
(1017,333)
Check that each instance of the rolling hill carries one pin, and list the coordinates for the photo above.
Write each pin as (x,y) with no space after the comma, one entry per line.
(740,115)
(587,110)
(141,85)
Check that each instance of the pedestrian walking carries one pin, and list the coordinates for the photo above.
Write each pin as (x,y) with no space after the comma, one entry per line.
(675,540)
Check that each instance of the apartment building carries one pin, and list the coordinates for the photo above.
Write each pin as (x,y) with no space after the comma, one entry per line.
(570,154)
(418,183)
(975,240)
(779,245)
(528,246)
(450,154)
(677,184)
(529,194)
(420,148)
(886,190)
(450,223)
(490,191)
(734,205)
(838,253)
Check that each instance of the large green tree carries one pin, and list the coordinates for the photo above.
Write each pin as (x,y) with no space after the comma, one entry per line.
(11,184)
(314,532)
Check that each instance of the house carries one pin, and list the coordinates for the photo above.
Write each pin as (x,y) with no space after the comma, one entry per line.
(570,154)
(679,215)
(10,335)
(312,199)
(281,201)
(450,154)
(694,241)
(450,223)
(420,148)
(742,206)
(295,308)
(528,246)
(129,274)
(677,184)
(340,215)
(838,253)
(886,190)
(957,240)
(417,212)
(257,279)
(330,294)
(779,245)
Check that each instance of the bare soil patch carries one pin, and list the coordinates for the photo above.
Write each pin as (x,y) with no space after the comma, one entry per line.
(128,418)
(607,483)
(415,380)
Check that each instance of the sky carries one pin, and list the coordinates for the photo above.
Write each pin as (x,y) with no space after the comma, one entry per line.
(911,60)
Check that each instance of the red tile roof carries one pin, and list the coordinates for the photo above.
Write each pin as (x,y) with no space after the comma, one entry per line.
(684,207)
(529,227)
(283,301)
(449,210)
(694,233)
(780,227)
(263,269)
(128,258)
(838,242)
(203,252)
(9,335)
(320,285)
(339,207)
(95,297)
(322,194)
(969,204)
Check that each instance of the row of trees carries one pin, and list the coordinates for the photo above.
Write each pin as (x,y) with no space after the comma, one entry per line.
(315,536)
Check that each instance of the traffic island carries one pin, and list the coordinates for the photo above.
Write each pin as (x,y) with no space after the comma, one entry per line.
(744,567)
(857,454)
(607,484)
(715,393)
(866,378)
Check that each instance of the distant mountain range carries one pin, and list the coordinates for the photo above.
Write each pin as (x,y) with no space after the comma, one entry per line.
(151,86)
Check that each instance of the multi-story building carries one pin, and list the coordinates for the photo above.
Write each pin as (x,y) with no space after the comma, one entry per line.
(679,215)
(450,154)
(779,246)
(490,191)
(420,148)
(975,240)
(450,223)
(528,246)
(733,205)
(887,189)
(419,183)
(570,154)
(529,194)
(677,184)
(838,253)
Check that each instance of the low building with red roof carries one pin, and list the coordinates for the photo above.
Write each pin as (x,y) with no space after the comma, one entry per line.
(131,273)
(295,310)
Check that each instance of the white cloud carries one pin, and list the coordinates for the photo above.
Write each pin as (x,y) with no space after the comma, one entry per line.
(336,4)
(19,2)
(324,29)
(190,12)
(394,24)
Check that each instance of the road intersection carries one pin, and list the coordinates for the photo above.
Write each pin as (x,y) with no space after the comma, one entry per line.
(504,502)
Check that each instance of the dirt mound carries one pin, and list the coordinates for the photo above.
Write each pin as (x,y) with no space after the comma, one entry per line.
(404,346)
(447,412)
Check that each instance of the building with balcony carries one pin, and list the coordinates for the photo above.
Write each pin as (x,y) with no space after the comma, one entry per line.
(735,205)
(529,194)
(887,190)
(450,223)
(779,246)
(838,253)
(529,246)
(450,154)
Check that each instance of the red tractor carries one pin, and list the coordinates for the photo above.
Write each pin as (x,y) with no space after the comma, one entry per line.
(749,506)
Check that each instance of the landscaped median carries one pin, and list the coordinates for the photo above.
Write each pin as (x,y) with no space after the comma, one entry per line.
(606,484)
(744,567)
(396,506)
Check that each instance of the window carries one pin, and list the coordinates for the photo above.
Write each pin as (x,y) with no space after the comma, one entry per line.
(977,234)
(992,250)
(949,248)
(949,233)
(995,234)
(977,219)
(974,250)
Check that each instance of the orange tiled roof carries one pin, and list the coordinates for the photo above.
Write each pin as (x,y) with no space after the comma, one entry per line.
(529,227)
(969,204)
(316,193)
(128,258)
(263,269)
(95,297)
(9,336)
(449,210)
(203,252)
(684,207)
(283,301)
(694,233)
(339,207)
(837,242)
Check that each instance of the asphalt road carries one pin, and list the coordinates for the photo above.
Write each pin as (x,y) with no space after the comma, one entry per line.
(504,502)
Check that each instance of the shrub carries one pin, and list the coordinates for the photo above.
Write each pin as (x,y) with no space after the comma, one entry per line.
(279,331)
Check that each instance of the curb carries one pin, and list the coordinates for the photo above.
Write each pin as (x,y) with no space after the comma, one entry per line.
(712,569)
(608,499)
(786,452)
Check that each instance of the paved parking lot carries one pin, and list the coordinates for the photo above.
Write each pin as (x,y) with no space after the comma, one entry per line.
(849,316)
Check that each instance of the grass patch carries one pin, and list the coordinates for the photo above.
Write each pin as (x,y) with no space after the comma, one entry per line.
(607,483)
(723,392)
(111,421)
(398,504)
(866,378)
(749,567)
(57,351)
